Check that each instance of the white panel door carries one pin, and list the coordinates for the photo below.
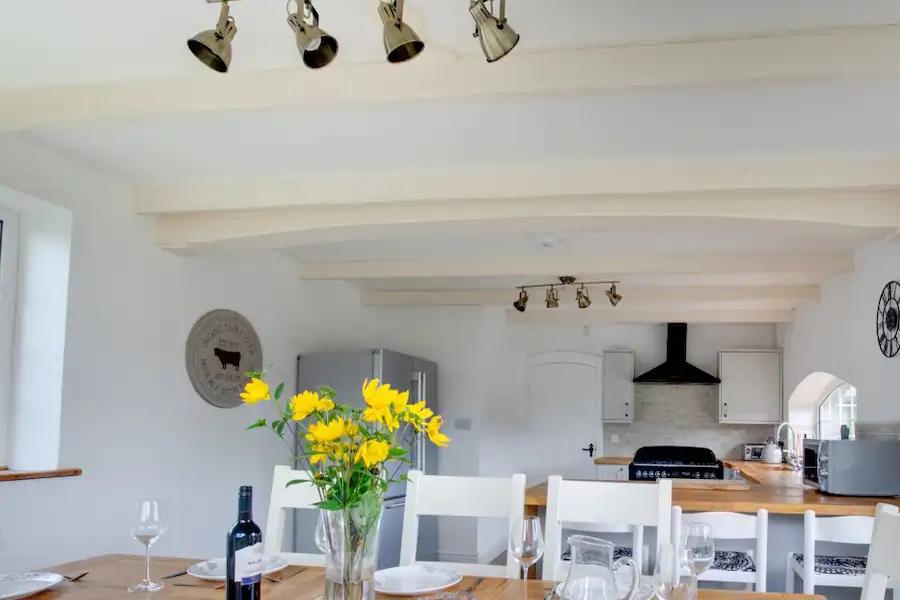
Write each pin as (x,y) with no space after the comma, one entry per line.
(565,415)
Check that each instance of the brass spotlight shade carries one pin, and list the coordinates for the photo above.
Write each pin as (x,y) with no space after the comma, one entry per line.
(496,36)
(213,46)
(519,304)
(552,298)
(400,41)
(316,46)
(614,296)
(582,298)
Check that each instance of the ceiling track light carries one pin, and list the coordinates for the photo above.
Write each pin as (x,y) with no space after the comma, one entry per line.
(401,43)
(213,46)
(317,48)
(522,301)
(496,36)
(614,296)
(582,296)
(552,297)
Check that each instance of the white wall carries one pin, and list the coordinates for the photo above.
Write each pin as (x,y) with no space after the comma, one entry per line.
(837,336)
(130,417)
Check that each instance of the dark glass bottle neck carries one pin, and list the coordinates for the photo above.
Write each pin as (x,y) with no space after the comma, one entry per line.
(245,505)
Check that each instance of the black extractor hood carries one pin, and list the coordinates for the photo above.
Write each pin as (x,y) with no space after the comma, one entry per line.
(676,369)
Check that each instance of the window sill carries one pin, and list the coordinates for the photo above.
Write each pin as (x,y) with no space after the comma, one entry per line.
(7,475)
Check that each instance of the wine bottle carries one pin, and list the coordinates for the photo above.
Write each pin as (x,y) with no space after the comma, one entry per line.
(243,569)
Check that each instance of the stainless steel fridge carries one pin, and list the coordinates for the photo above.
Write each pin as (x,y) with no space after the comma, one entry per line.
(345,372)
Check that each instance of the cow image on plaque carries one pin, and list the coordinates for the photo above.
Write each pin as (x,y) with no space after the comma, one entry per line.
(221,347)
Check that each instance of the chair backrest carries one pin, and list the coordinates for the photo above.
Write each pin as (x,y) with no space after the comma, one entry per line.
(284,498)
(441,495)
(842,530)
(624,503)
(882,562)
(731,526)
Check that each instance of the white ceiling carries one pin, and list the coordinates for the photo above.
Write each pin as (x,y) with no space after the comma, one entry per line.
(846,118)
(263,156)
(55,42)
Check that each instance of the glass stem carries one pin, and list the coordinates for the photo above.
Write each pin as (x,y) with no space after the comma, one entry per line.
(147,555)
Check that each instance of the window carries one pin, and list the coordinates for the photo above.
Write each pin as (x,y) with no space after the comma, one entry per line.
(837,414)
(8,263)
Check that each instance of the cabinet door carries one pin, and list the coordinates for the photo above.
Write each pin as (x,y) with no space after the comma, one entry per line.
(750,391)
(618,387)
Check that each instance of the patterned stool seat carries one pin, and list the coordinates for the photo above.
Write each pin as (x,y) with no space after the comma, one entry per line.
(618,553)
(730,560)
(836,565)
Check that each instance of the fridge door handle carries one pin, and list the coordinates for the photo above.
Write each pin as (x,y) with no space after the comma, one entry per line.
(421,394)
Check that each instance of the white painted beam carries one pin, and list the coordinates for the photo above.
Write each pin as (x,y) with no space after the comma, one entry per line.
(299,225)
(580,266)
(842,52)
(854,191)
(714,297)
(620,314)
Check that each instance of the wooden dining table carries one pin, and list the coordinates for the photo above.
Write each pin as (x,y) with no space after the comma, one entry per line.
(108,577)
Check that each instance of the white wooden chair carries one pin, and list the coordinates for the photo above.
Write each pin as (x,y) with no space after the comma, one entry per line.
(749,567)
(883,562)
(572,504)
(298,496)
(830,570)
(498,497)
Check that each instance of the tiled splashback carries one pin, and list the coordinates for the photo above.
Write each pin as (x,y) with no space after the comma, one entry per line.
(683,415)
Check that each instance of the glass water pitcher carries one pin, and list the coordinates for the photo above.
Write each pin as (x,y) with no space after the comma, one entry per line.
(592,571)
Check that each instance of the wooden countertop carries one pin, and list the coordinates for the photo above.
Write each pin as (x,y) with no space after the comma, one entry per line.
(775,488)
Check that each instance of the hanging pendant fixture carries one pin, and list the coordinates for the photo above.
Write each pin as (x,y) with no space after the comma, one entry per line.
(582,295)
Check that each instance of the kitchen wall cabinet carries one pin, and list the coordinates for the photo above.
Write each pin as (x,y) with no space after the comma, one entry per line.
(751,388)
(618,386)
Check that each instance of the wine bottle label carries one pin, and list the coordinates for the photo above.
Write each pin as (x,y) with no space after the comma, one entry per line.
(248,564)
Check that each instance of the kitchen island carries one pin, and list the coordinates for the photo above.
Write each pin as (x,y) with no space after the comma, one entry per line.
(775,488)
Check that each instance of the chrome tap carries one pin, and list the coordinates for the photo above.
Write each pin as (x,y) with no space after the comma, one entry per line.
(792,457)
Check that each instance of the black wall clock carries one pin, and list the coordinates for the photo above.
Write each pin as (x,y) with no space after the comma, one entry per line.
(887,319)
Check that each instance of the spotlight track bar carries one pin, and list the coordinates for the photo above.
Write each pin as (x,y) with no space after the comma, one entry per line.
(565,283)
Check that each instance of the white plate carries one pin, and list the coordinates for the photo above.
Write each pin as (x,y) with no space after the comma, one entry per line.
(415,580)
(214,568)
(22,585)
(645,590)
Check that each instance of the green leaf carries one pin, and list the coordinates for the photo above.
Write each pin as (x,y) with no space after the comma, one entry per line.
(279,390)
(330,505)
(296,481)
(257,424)
(397,452)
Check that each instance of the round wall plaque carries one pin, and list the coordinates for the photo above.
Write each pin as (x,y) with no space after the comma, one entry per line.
(220,348)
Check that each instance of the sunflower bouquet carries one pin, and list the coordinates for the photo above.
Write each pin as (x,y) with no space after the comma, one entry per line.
(347,451)
(346,448)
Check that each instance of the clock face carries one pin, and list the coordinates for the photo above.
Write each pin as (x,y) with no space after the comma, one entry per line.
(887,320)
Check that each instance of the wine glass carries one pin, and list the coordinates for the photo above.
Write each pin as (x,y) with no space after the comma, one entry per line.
(149,524)
(697,538)
(672,576)
(526,542)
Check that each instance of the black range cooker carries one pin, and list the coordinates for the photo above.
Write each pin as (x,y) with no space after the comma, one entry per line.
(674,462)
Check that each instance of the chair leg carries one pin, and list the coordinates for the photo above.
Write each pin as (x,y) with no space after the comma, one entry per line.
(788,576)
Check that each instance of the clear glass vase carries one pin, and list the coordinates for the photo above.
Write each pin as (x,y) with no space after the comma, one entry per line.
(351,549)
